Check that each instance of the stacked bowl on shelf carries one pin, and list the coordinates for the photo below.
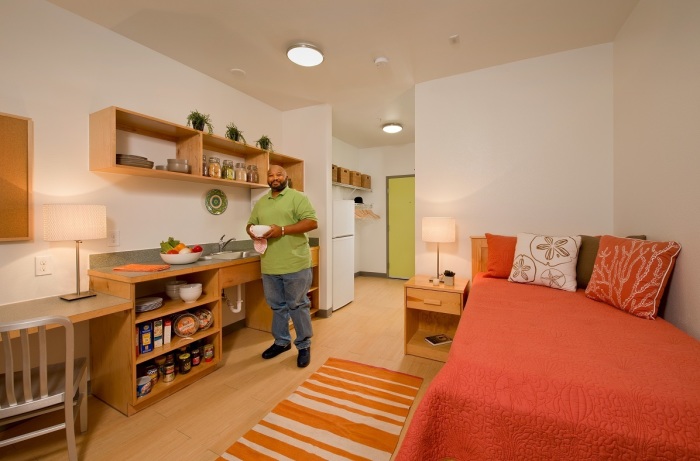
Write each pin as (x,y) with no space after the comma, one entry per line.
(179,165)
(172,288)
(190,292)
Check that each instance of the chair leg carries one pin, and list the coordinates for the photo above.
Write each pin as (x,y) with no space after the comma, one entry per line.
(83,412)
(70,431)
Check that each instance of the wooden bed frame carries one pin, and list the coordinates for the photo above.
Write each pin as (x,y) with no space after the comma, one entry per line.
(480,255)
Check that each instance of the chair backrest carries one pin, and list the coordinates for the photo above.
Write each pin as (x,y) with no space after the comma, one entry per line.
(35,390)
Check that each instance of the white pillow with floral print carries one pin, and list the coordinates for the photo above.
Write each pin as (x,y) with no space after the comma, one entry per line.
(546,260)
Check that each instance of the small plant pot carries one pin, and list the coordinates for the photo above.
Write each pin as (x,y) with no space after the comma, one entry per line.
(449,281)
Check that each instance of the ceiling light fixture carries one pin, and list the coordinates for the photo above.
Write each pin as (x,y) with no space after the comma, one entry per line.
(305,54)
(392,128)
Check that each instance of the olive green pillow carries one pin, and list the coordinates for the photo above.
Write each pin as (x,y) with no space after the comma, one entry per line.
(586,257)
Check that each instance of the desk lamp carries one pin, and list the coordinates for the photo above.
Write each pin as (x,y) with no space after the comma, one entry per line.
(438,230)
(75,222)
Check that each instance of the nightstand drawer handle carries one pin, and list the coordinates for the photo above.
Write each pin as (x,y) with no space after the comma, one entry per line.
(433,302)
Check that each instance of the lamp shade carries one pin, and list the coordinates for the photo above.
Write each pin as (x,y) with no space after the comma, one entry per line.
(74,222)
(440,230)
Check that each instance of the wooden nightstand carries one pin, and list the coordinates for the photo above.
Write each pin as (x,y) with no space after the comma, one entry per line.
(430,310)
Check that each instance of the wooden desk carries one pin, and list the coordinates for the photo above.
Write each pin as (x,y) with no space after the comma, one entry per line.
(77,311)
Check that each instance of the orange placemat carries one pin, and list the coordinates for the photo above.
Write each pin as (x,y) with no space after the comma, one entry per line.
(143,267)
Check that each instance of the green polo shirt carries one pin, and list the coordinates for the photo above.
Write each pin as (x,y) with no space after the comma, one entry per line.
(289,253)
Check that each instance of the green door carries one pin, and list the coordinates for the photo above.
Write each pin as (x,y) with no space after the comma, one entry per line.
(401,232)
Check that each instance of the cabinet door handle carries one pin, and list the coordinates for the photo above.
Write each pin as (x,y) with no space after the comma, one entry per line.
(433,302)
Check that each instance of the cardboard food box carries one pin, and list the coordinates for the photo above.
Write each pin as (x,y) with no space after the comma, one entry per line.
(366,181)
(343,175)
(145,337)
(334,173)
(356,178)
(158,333)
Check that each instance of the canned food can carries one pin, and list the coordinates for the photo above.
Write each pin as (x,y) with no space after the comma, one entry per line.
(160,363)
(208,352)
(143,386)
(152,372)
(185,363)
(169,372)
(196,356)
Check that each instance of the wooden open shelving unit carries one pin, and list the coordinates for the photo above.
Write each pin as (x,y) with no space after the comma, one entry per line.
(188,144)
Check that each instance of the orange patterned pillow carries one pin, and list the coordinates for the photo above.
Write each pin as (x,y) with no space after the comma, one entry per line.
(500,257)
(632,274)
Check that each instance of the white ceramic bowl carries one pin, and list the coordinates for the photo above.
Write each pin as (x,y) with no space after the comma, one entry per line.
(178,167)
(184,258)
(183,161)
(172,288)
(190,292)
(259,230)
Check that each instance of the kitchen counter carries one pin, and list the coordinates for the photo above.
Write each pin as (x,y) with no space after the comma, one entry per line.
(109,273)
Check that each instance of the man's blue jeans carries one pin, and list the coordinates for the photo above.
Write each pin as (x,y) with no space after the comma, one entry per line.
(286,294)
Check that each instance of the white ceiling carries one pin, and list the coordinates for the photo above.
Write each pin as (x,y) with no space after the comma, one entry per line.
(215,36)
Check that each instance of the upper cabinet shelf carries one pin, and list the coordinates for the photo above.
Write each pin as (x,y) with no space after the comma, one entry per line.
(350,186)
(188,143)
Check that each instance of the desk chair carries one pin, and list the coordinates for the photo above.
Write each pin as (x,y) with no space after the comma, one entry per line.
(34,387)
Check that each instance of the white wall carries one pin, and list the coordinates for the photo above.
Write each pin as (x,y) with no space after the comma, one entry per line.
(657,140)
(309,131)
(378,162)
(58,68)
(521,147)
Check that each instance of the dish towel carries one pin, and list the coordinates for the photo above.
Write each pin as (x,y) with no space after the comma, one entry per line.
(260,245)
(143,267)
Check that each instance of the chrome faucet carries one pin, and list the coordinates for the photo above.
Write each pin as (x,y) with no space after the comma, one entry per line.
(223,244)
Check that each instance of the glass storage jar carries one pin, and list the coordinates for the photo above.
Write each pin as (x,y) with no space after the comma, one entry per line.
(214,167)
(240,172)
(227,170)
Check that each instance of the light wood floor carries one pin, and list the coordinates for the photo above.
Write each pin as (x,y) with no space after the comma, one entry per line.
(203,420)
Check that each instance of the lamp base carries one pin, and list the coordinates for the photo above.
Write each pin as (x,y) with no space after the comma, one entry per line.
(74,296)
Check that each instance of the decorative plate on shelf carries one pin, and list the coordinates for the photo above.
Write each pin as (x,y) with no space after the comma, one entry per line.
(216,201)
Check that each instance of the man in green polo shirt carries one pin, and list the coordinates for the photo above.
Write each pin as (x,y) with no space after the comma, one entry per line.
(286,263)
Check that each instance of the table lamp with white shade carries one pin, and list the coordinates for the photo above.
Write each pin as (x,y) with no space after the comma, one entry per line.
(75,222)
(438,230)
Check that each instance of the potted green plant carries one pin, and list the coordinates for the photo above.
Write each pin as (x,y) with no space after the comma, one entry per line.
(198,121)
(449,278)
(264,143)
(234,134)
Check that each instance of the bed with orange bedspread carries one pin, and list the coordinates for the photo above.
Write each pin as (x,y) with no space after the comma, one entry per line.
(538,373)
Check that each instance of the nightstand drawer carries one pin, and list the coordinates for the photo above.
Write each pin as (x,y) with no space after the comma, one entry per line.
(434,301)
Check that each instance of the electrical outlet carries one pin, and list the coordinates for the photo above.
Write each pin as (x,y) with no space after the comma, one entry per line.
(42,265)
(113,238)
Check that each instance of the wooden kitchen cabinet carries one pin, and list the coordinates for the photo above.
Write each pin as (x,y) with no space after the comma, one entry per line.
(115,361)
(431,310)
(108,124)
(258,314)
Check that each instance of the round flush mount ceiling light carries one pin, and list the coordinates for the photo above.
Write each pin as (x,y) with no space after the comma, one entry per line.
(392,128)
(305,54)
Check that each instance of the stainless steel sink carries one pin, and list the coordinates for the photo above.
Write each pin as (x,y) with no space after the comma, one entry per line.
(231,255)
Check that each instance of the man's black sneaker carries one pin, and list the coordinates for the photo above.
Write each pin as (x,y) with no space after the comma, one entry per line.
(304,357)
(275,350)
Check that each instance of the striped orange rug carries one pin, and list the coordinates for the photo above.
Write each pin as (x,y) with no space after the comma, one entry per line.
(344,411)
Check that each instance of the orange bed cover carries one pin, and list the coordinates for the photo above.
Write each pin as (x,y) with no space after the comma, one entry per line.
(539,373)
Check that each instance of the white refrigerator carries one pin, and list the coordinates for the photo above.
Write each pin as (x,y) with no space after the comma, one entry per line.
(343,238)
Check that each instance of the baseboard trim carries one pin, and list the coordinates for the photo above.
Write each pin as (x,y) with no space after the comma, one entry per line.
(230,328)
(371,274)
